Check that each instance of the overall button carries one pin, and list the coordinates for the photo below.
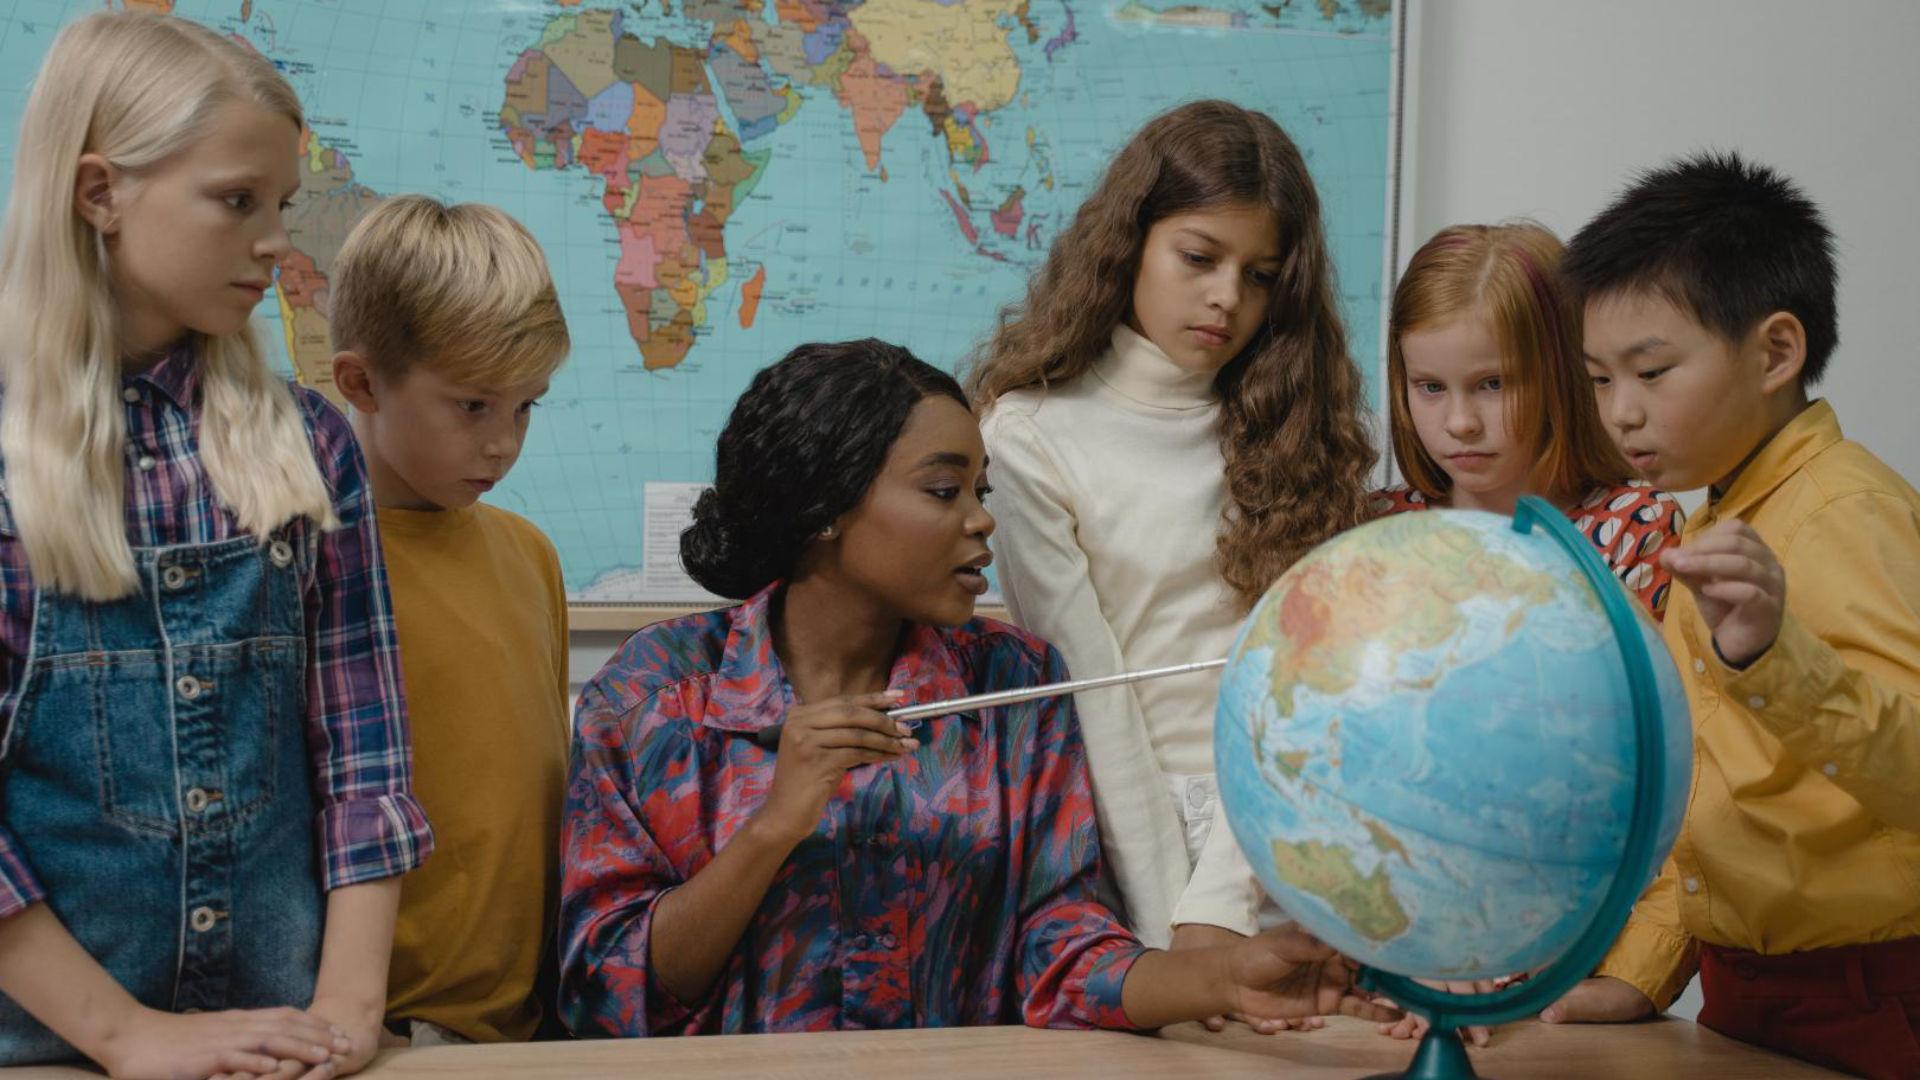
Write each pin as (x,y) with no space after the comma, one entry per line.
(888,941)
(130,395)
(146,463)
(199,799)
(1197,798)
(281,553)
(174,577)
(188,687)
(1699,666)
(1693,885)
(202,919)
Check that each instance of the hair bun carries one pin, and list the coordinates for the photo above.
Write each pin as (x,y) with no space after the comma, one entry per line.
(714,552)
(801,447)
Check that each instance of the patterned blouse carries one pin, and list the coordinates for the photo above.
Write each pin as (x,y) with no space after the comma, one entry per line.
(954,886)
(1628,525)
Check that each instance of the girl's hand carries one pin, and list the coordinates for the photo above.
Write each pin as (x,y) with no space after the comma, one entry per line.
(362,1027)
(818,745)
(1286,972)
(361,1021)
(1739,586)
(153,1044)
(1204,936)
(1414,1026)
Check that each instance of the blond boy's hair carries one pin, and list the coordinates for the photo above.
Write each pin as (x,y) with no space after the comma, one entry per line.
(138,90)
(462,290)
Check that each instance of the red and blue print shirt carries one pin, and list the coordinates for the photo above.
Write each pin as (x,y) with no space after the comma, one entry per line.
(1628,524)
(953,886)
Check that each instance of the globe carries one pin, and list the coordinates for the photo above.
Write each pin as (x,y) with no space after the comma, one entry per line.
(1435,734)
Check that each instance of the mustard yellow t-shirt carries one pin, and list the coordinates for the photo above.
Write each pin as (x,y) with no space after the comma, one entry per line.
(482,620)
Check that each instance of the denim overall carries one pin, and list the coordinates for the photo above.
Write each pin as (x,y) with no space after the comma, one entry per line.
(156,774)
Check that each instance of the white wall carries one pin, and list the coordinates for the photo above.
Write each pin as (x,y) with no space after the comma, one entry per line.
(1544,108)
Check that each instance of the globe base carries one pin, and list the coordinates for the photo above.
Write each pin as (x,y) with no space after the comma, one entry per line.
(1442,1056)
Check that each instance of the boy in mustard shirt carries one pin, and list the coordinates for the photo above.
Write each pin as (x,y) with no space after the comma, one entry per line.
(446,328)
(1794,888)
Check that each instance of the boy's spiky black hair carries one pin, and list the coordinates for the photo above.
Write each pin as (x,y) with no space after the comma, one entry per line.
(1730,241)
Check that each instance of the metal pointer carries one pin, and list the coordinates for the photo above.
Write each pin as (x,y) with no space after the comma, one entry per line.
(768,738)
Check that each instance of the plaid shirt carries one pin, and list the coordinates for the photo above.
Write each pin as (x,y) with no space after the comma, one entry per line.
(955,886)
(369,825)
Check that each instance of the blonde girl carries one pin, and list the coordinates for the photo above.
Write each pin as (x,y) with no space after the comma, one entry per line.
(204,797)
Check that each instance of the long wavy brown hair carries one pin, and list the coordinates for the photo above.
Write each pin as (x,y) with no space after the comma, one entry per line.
(1292,431)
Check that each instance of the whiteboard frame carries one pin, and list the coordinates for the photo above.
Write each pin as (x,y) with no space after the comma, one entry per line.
(1402,241)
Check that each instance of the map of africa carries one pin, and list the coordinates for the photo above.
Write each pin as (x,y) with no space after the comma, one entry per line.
(717,181)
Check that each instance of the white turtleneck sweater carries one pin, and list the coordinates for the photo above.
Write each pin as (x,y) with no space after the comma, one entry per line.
(1108,496)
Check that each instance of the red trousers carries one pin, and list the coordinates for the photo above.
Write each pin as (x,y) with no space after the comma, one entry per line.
(1855,1008)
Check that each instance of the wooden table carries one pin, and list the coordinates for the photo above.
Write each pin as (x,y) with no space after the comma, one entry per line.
(1656,1050)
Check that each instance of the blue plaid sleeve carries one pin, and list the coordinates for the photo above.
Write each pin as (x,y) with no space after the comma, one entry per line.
(370,825)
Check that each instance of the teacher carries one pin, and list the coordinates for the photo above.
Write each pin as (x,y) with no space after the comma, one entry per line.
(861,875)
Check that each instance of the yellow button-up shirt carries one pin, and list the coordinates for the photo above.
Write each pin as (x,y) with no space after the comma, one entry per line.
(1804,827)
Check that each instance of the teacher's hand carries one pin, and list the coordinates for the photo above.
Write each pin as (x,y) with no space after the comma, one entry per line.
(819,743)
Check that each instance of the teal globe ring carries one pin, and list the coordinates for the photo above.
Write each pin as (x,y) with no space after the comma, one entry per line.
(1441,1055)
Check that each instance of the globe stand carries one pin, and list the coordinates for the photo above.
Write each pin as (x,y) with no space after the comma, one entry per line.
(1442,1056)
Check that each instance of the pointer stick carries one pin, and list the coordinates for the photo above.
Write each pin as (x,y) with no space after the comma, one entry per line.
(769,737)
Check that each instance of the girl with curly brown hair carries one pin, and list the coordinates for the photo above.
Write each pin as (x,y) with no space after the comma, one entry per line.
(1173,420)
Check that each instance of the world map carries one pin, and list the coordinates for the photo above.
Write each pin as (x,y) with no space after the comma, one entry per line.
(717,181)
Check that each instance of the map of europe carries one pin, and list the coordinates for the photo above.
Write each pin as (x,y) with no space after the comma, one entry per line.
(717,181)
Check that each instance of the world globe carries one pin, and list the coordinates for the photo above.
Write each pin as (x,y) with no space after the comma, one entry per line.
(1453,747)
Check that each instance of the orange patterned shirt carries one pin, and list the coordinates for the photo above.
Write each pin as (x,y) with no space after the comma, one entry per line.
(1627,524)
